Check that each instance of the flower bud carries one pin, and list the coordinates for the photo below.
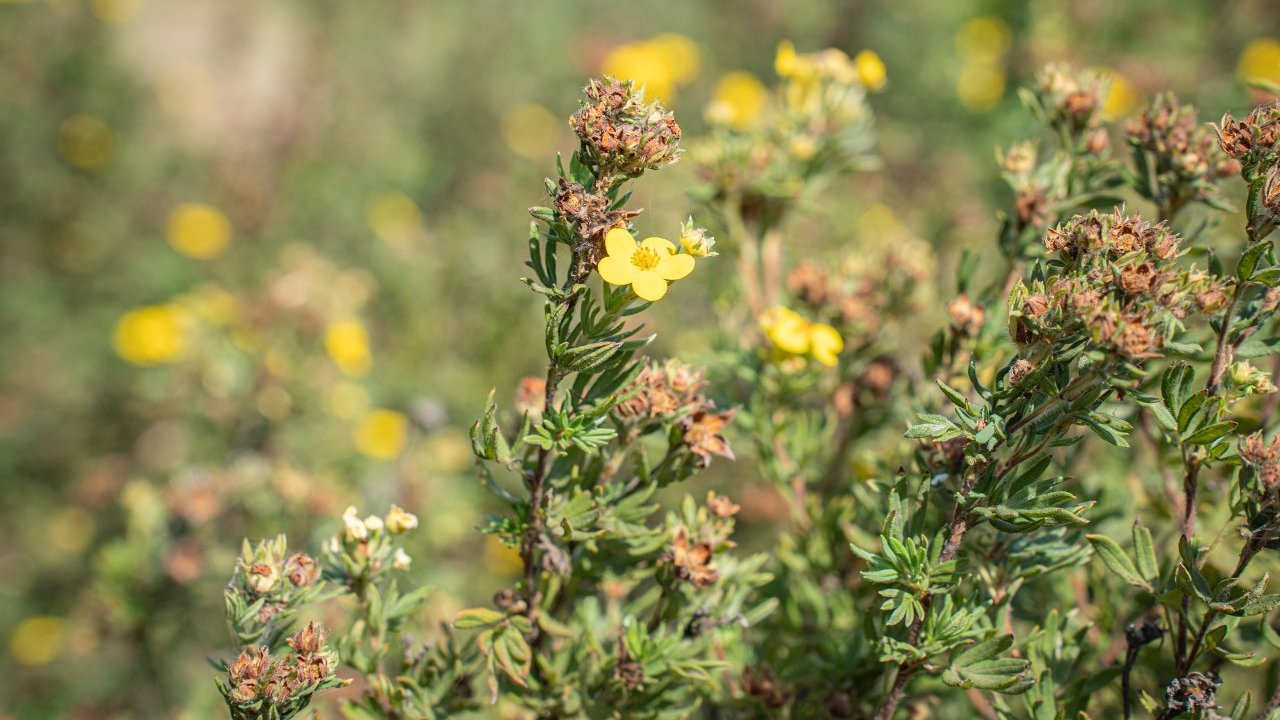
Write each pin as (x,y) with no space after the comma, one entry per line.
(353,527)
(401,560)
(398,520)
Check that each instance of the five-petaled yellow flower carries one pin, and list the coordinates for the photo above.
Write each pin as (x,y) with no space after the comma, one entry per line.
(646,266)
(792,334)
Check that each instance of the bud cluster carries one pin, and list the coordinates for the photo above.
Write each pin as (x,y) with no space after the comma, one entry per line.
(1177,154)
(621,134)
(268,587)
(1252,141)
(1116,279)
(364,547)
(260,685)
(1071,101)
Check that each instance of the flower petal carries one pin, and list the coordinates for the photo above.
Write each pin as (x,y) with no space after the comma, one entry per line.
(659,245)
(617,270)
(649,286)
(674,267)
(620,244)
(825,344)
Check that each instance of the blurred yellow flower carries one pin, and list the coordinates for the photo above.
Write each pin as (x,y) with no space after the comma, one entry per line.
(395,219)
(1122,98)
(152,335)
(348,346)
(681,55)
(984,40)
(37,640)
(871,70)
(787,331)
(348,400)
(660,65)
(647,266)
(199,231)
(738,101)
(382,434)
(85,141)
(115,11)
(980,87)
(785,61)
(1260,61)
(530,130)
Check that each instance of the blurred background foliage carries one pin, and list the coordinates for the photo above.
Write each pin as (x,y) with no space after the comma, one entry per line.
(259,261)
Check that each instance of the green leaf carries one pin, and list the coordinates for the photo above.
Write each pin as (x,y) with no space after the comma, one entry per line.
(1207,435)
(1249,261)
(1117,561)
(477,618)
(1269,277)
(1144,551)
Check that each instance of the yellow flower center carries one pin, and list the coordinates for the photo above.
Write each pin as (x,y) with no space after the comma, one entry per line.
(645,258)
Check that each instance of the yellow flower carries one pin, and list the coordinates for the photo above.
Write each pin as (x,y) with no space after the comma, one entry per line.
(825,344)
(739,99)
(980,87)
(984,40)
(382,434)
(199,231)
(787,331)
(348,346)
(37,640)
(152,335)
(647,266)
(870,69)
(786,61)
(1121,98)
(660,65)
(1260,61)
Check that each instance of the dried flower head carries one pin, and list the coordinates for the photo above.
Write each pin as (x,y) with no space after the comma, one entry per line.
(966,317)
(1184,157)
(669,389)
(691,561)
(704,435)
(620,133)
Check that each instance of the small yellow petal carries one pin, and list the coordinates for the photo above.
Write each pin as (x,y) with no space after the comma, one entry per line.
(825,344)
(619,243)
(674,267)
(649,286)
(659,245)
(617,270)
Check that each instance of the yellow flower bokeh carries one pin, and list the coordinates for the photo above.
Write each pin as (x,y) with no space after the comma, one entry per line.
(661,65)
(980,87)
(37,640)
(85,141)
(739,100)
(395,219)
(871,70)
(199,231)
(1260,61)
(792,334)
(152,335)
(1122,98)
(985,39)
(530,130)
(382,434)
(347,344)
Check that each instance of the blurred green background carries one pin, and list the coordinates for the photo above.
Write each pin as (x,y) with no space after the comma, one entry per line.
(260,260)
